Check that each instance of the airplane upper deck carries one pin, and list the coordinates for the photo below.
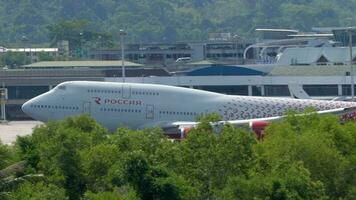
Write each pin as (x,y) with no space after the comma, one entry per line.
(161,88)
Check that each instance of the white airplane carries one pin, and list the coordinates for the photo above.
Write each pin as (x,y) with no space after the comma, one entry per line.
(138,106)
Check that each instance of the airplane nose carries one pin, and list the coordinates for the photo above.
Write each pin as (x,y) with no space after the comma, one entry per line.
(31,108)
(26,108)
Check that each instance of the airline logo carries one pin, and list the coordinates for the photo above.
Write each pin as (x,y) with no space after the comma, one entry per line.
(113,101)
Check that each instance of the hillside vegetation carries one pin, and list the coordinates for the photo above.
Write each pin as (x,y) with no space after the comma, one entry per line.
(169,20)
(306,157)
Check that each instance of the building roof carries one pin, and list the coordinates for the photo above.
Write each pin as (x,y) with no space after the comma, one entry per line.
(87,63)
(32,50)
(310,55)
(313,35)
(276,30)
(310,70)
(202,62)
(330,29)
(137,72)
(221,70)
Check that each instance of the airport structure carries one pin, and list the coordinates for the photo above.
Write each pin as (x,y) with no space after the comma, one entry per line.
(176,54)
(37,78)
(33,54)
(286,64)
(227,49)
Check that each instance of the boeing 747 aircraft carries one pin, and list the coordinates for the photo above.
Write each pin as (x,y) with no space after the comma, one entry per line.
(138,106)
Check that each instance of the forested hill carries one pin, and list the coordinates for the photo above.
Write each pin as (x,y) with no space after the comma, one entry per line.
(170,20)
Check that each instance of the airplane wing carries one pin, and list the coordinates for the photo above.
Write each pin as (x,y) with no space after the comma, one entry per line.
(173,129)
(178,129)
(338,111)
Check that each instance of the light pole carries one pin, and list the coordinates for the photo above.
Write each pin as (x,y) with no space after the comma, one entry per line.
(350,30)
(26,42)
(3,98)
(100,47)
(236,38)
(122,34)
(80,45)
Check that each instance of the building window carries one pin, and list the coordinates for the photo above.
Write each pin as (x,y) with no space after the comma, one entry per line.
(346,90)
(276,90)
(256,90)
(321,90)
(25,92)
(226,89)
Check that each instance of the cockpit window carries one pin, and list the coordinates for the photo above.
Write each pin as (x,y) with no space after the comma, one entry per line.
(62,87)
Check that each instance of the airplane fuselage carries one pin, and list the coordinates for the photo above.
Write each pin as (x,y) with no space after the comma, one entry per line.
(143,105)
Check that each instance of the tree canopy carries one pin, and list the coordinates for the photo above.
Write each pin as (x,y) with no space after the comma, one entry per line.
(301,157)
(169,20)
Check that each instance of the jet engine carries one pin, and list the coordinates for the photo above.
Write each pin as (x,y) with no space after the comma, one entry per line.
(259,127)
(177,132)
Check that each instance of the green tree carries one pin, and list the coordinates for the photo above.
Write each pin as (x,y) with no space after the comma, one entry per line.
(68,30)
(54,150)
(147,140)
(313,140)
(40,190)
(14,59)
(79,35)
(166,21)
(124,193)
(206,158)
(301,157)
(96,163)
(5,155)
(150,181)
(42,56)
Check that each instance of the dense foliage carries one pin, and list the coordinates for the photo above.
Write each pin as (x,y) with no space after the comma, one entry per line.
(169,20)
(304,157)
